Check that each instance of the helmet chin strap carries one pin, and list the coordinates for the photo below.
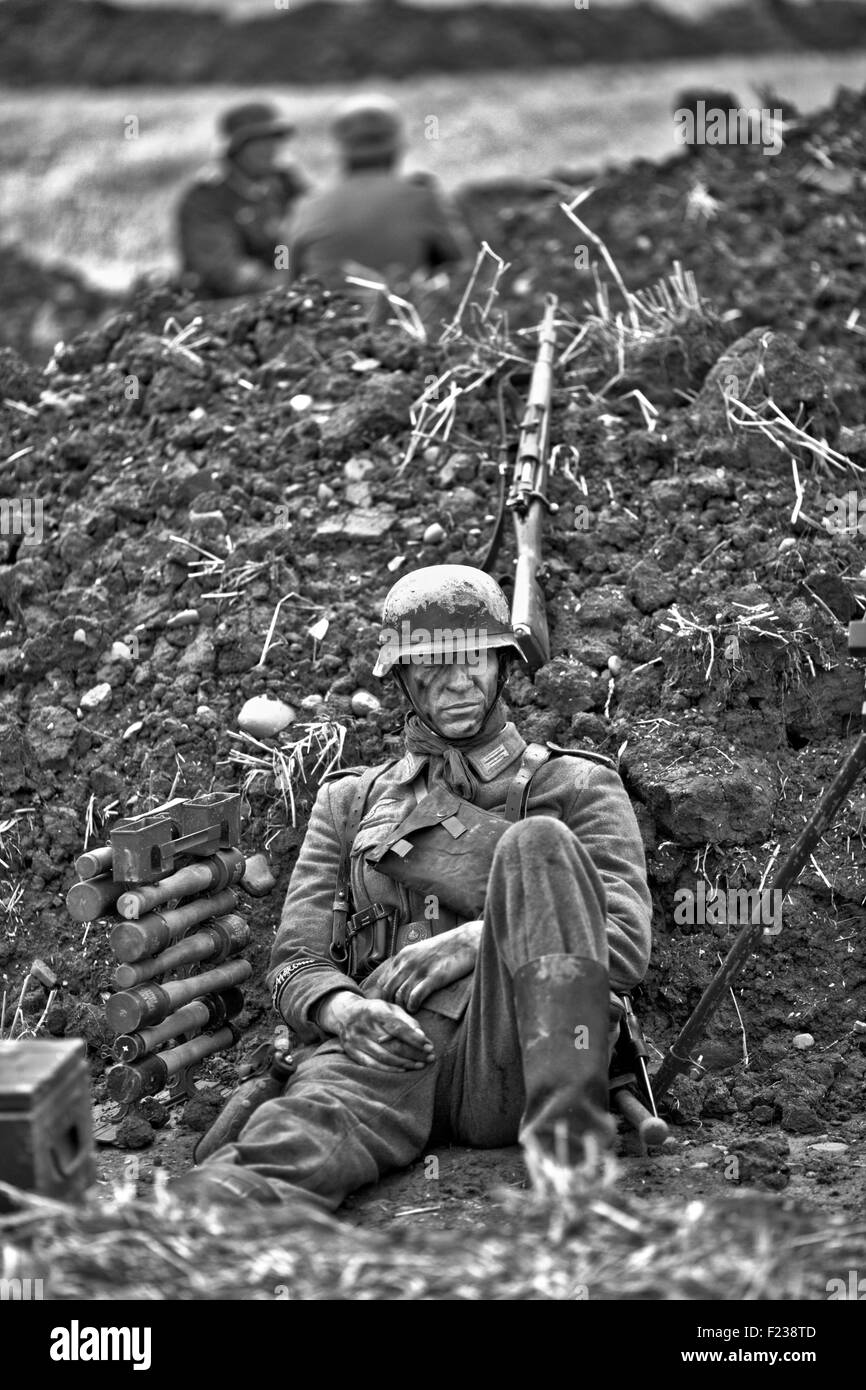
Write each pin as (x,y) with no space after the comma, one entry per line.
(504,664)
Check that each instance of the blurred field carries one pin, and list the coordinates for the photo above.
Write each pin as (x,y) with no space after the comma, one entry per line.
(74,189)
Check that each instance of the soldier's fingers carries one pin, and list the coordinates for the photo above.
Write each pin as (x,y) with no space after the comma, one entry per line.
(378,1055)
(408,1032)
(411,1052)
(419,994)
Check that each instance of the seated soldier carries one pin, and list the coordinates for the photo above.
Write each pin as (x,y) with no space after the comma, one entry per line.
(464,990)
(232,220)
(374,222)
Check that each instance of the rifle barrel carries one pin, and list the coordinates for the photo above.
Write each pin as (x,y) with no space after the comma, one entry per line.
(528,499)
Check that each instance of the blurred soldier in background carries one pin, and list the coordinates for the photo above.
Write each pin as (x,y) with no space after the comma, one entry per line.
(375,222)
(231,220)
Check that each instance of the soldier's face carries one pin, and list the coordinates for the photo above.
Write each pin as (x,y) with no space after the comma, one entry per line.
(454,696)
(258,157)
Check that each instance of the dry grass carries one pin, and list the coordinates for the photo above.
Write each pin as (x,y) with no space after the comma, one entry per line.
(575,1237)
(286,766)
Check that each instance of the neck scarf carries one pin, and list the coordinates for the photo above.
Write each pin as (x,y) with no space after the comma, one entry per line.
(446,756)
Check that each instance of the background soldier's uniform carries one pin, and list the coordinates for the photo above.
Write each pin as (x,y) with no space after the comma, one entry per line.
(567,899)
(375,221)
(229,227)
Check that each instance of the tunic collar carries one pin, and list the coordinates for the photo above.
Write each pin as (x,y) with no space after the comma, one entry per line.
(487,761)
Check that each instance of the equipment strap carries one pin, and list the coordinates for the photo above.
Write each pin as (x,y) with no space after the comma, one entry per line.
(339,950)
(534,757)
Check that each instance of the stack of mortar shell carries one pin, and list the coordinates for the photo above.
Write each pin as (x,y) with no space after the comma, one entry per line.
(154,1007)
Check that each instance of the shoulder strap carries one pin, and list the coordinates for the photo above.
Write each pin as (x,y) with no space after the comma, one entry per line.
(339,952)
(590,753)
(534,756)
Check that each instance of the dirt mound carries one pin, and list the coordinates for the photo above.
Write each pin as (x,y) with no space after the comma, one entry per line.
(191,497)
(43,304)
(109,45)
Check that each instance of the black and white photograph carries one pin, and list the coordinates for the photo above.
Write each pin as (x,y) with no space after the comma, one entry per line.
(432,671)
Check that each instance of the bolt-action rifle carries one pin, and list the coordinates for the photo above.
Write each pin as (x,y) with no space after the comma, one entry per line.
(528,499)
(631,1091)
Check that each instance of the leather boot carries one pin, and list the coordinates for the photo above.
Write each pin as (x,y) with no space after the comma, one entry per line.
(221,1183)
(231,1184)
(562,1005)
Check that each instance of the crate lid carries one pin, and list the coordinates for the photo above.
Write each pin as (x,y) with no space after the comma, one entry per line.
(29,1067)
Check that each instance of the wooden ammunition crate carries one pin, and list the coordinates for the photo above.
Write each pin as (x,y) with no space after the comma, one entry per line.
(46,1133)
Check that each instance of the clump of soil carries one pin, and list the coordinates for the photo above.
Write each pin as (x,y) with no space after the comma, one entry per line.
(208,492)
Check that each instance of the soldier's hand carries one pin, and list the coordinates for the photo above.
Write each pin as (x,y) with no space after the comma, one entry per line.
(425,966)
(380,1035)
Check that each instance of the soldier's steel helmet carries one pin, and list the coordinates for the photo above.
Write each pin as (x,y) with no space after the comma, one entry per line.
(254,120)
(442,610)
(368,126)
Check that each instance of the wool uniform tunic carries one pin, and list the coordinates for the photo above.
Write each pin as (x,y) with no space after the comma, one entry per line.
(230,226)
(587,797)
(375,221)
(568,884)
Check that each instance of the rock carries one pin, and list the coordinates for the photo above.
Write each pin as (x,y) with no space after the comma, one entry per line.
(761,1163)
(120,652)
(264,718)
(199,655)
(16,758)
(567,686)
(395,563)
(830,1149)
(763,1114)
(200,1112)
(52,731)
(96,698)
(188,617)
(300,403)
(63,644)
(311,703)
(766,365)
(706,483)
(359,494)
(614,665)
(356,470)
(464,499)
(324,493)
(649,588)
(434,534)
(363,524)
(800,1119)
(364,703)
(667,494)
(460,467)
(258,876)
(803,1040)
(382,408)
(153,1111)
(134,1132)
(733,806)
(607,607)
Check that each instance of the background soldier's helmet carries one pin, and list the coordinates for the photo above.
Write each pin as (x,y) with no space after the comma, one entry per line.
(253,120)
(368,126)
(443,610)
